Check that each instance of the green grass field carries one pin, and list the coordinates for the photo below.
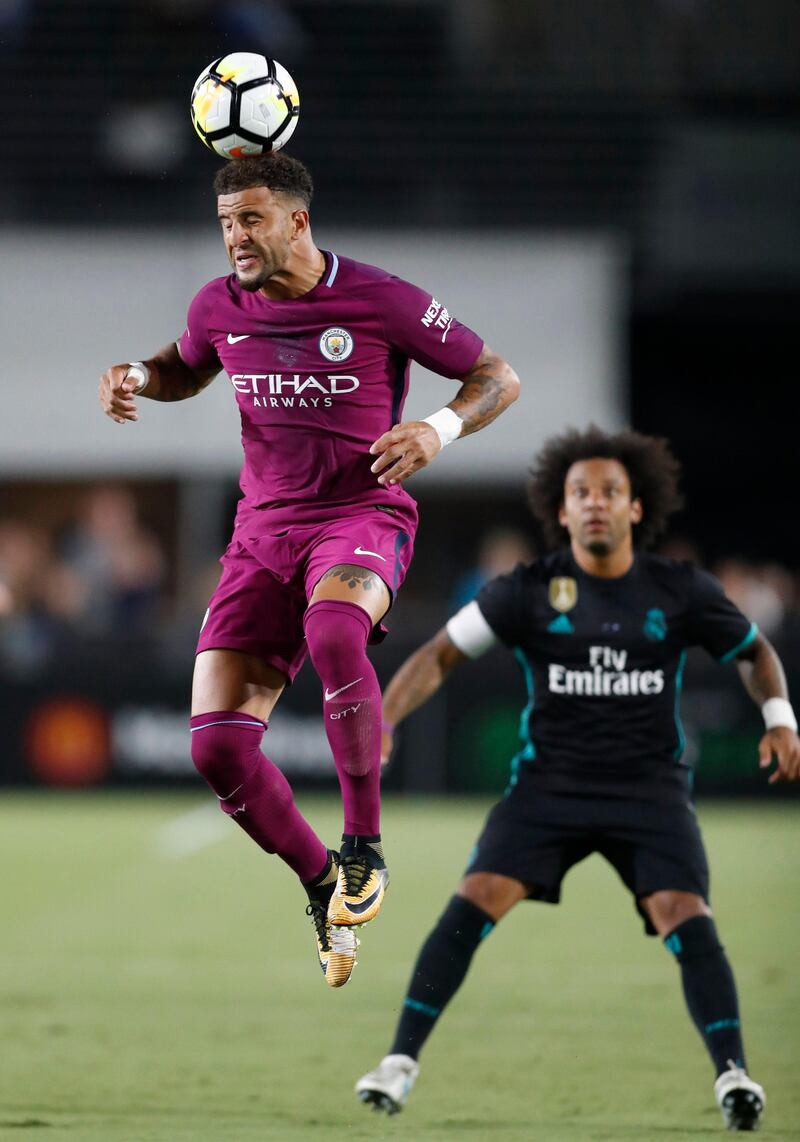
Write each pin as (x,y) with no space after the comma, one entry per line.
(159,982)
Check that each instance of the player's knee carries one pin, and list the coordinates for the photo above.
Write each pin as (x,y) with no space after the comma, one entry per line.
(336,635)
(667,910)
(492,893)
(225,755)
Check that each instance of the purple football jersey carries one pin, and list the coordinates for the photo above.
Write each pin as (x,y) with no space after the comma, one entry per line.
(318,378)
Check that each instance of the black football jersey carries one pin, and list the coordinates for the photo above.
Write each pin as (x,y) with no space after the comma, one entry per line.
(603,662)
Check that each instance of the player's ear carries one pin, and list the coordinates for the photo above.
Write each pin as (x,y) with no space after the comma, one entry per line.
(636,511)
(299,223)
(562,515)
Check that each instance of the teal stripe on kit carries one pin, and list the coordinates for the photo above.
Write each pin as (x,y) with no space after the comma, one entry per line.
(720,1025)
(423,1008)
(681,746)
(748,638)
(528,751)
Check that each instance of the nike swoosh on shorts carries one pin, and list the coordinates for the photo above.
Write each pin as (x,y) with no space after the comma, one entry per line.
(362,551)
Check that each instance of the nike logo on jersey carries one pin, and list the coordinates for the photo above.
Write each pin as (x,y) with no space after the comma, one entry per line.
(332,693)
(240,337)
(363,551)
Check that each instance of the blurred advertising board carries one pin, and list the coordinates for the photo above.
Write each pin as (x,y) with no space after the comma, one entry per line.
(131,727)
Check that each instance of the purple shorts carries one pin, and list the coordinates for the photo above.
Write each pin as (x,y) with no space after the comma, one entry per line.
(269,573)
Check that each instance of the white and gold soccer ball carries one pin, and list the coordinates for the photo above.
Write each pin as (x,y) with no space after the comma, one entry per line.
(244,104)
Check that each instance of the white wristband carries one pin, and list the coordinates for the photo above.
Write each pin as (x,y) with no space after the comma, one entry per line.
(778,712)
(140,373)
(448,425)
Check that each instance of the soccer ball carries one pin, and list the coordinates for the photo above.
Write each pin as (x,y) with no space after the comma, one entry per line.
(244,104)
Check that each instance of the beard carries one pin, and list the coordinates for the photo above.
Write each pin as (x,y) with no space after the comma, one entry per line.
(272,262)
(599,547)
(252,285)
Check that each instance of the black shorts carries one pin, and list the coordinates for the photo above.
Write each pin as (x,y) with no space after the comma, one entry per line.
(537,837)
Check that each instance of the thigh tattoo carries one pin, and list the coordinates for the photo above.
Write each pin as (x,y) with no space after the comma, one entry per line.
(355,577)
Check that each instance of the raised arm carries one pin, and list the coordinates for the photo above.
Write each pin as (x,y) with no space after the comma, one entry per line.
(762,675)
(486,390)
(167,378)
(415,682)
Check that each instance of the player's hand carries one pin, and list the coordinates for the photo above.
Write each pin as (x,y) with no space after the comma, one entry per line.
(403,450)
(116,394)
(784,745)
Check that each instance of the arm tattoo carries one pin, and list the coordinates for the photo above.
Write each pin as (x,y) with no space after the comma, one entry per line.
(483,391)
(355,576)
(489,387)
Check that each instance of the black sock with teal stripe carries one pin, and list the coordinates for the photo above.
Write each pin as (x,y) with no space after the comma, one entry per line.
(710,989)
(441,966)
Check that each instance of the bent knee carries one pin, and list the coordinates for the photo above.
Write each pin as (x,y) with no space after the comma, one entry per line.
(668,909)
(492,893)
(335,632)
(226,755)
(335,653)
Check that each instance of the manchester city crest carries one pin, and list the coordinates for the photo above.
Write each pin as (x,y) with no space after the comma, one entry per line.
(563,593)
(336,344)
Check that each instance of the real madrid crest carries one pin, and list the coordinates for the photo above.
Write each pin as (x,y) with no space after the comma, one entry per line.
(336,344)
(563,593)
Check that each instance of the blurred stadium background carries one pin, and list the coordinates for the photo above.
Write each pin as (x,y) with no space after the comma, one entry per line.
(606,189)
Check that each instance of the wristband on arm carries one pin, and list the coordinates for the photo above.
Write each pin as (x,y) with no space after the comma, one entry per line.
(447,424)
(778,712)
(139,374)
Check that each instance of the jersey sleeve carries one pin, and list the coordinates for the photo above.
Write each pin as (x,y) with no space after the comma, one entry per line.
(500,603)
(194,346)
(424,330)
(715,622)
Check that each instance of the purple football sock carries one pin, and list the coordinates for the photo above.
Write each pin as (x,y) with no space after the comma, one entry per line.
(337,633)
(226,749)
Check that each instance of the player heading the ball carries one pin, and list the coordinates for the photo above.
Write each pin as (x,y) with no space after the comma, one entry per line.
(318,349)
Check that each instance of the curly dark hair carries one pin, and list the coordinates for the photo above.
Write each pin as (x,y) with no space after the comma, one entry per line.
(275,170)
(652,470)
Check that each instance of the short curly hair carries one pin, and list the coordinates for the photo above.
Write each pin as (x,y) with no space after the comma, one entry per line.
(652,470)
(275,170)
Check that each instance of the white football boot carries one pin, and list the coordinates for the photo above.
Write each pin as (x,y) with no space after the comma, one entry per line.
(740,1099)
(336,947)
(389,1085)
